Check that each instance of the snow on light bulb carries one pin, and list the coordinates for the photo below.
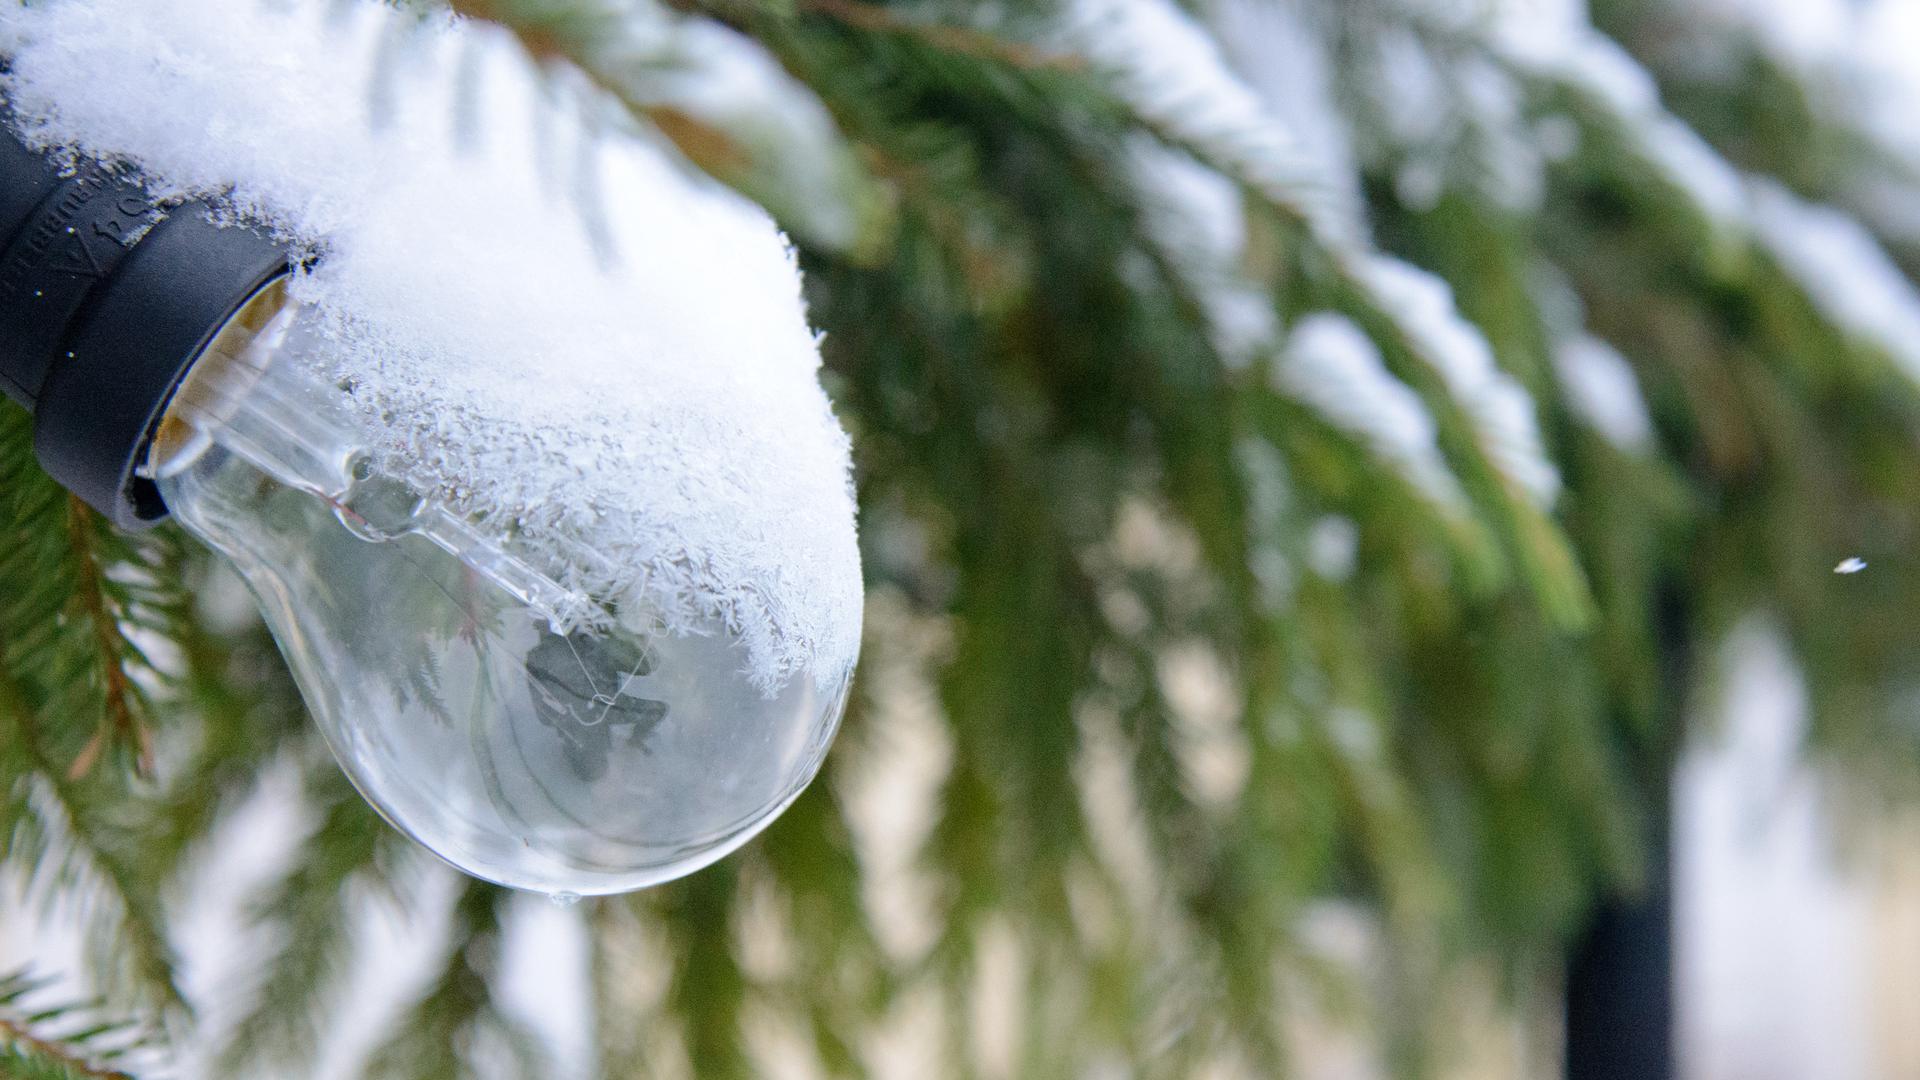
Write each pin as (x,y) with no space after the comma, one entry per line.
(526,732)
(547,510)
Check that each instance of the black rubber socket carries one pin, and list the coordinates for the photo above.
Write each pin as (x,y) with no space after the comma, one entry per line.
(106,298)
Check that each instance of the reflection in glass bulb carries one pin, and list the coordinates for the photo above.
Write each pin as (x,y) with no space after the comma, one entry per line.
(525,732)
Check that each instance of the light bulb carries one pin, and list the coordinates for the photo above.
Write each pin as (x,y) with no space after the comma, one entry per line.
(525,731)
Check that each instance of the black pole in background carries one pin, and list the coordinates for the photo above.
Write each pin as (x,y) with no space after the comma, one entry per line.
(1619,993)
(1619,996)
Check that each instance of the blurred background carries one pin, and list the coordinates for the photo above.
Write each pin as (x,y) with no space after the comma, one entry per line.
(1389,529)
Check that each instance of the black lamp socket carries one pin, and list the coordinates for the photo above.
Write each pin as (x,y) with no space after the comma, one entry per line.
(107,296)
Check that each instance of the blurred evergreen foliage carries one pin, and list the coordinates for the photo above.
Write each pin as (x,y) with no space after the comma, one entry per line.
(1191,645)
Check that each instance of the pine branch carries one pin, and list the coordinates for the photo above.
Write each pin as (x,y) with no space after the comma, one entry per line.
(457,1022)
(1801,121)
(311,911)
(957,39)
(119,724)
(35,1057)
(56,832)
(77,589)
(1428,733)
(811,867)
(778,148)
(1349,287)
(241,710)
(65,1040)
(19,1062)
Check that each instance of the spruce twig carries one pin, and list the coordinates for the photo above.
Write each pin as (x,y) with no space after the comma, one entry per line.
(119,722)
(17,1036)
(958,39)
(82,1050)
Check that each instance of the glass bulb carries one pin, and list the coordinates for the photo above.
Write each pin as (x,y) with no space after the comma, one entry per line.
(525,732)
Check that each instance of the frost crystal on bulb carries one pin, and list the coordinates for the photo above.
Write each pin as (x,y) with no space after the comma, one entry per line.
(543,324)
(529,468)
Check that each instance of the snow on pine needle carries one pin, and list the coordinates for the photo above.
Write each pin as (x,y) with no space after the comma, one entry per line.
(1421,304)
(1334,366)
(1170,69)
(1843,269)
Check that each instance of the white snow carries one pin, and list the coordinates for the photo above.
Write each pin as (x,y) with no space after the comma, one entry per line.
(1416,104)
(1855,57)
(1199,217)
(1439,115)
(1601,389)
(1333,547)
(1280,49)
(1556,42)
(648,390)
(1854,62)
(1835,259)
(1513,163)
(719,76)
(1715,186)
(1800,32)
(1172,72)
(1445,118)
(1597,384)
(1333,366)
(1840,265)
(1422,305)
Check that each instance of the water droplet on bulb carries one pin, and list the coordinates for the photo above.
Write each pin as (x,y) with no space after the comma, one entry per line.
(378,508)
